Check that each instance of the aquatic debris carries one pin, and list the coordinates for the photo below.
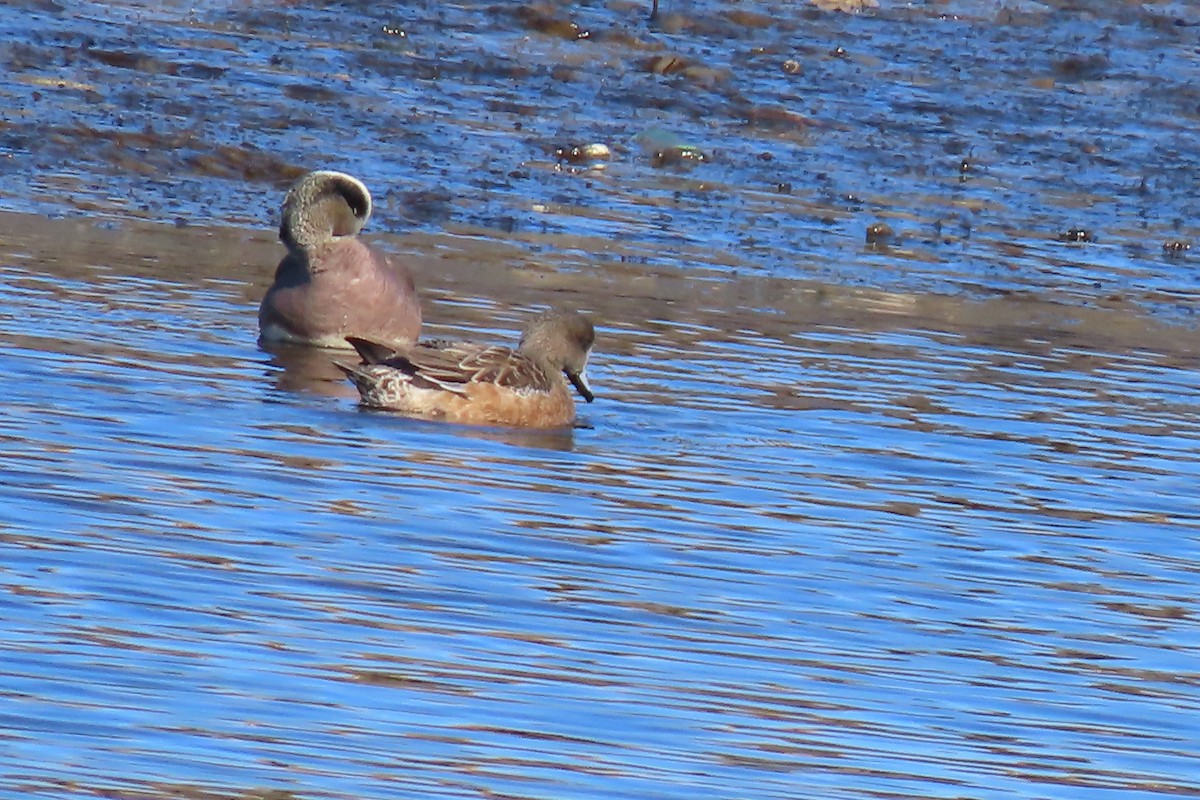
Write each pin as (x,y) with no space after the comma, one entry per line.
(677,156)
(750,19)
(846,6)
(672,22)
(666,149)
(1076,235)
(542,20)
(141,62)
(1080,67)
(247,163)
(149,151)
(880,233)
(775,118)
(311,93)
(672,64)
(1176,248)
(665,64)
(427,205)
(590,155)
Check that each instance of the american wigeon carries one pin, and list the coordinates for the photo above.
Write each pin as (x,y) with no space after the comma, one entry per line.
(477,384)
(330,285)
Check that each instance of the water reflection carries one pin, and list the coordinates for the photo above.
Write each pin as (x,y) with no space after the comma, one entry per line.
(308,369)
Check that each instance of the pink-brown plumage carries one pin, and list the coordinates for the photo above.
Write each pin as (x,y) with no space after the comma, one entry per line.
(331,285)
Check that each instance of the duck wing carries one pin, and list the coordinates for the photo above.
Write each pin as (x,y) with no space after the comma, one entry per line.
(455,366)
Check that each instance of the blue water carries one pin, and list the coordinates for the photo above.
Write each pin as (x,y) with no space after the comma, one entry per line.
(844,522)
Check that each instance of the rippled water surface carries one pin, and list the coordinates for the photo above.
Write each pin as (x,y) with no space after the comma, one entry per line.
(854,515)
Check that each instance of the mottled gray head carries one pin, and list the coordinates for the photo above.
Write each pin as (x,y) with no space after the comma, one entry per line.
(562,340)
(322,205)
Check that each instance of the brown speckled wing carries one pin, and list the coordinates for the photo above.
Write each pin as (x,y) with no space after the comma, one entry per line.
(454,367)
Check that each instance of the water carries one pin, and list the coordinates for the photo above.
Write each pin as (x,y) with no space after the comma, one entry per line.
(915,519)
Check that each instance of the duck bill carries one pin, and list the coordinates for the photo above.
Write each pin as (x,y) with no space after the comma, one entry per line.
(579,381)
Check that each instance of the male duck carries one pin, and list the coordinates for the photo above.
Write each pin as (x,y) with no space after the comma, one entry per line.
(331,285)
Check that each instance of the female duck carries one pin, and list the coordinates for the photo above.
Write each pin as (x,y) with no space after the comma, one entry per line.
(477,384)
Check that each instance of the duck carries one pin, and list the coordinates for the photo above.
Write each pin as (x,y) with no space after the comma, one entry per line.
(478,384)
(331,284)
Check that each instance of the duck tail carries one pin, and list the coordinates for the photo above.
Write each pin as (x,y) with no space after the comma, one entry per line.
(355,372)
(371,351)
